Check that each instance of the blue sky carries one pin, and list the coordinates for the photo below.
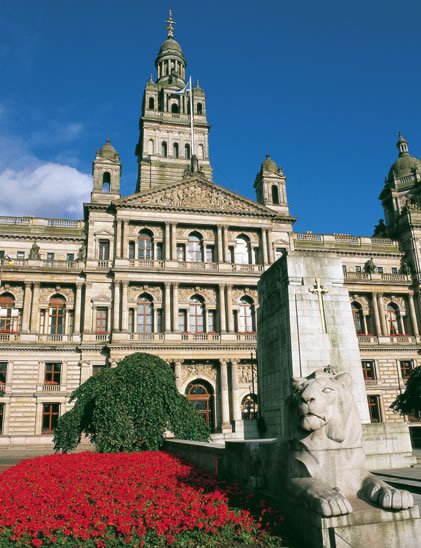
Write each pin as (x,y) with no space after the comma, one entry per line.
(322,86)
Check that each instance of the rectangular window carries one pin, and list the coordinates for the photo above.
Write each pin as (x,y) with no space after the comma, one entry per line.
(379,269)
(210,254)
(131,250)
(20,255)
(3,374)
(159,320)
(406,366)
(131,320)
(344,268)
(374,408)
(70,257)
(182,321)
(2,255)
(358,268)
(97,368)
(211,321)
(52,373)
(159,251)
(101,325)
(181,252)
(50,414)
(50,256)
(369,371)
(104,250)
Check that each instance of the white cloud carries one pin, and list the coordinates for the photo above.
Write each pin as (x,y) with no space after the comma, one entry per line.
(44,190)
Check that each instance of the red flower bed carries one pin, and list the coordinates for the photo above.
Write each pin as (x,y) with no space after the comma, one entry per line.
(136,499)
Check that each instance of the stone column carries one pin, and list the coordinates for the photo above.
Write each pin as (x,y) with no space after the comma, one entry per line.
(413,315)
(118,230)
(236,414)
(34,311)
(78,307)
(222,311)
(269,244)
(87,317)
(26,307)
(173,242)
(124,241)
(220,249)
(225,244)
(175,307)
(264,246)
(167,304)
(230,317)
(381,313)
(365,323)
(226,425)
(177,371)
(376,315)
(167,243)
(125,307)
(116,309)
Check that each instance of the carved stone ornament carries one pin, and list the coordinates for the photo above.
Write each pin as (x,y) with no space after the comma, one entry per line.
(238,294)
(15,290)
(46,292)
(363,301)
(133,230)
(399,301)
(153,291)
(185,293)
(253,237)
(245,374)
(195,371)
(208,235)
(197,195)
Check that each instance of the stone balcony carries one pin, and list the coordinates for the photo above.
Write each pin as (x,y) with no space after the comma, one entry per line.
(194,338)
(32,264)
(187,266)
(377,277)
(308,240)
(364,340)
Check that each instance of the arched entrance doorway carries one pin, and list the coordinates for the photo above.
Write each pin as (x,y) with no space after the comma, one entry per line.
(200,393)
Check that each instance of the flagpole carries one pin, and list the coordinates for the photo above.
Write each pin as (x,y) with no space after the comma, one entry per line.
(191,117)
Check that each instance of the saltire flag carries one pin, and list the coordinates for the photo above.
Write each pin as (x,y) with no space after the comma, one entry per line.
(185,89)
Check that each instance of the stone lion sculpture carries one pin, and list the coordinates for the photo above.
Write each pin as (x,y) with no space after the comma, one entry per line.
(326,462)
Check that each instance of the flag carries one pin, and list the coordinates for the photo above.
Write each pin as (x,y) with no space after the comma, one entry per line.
(185,89)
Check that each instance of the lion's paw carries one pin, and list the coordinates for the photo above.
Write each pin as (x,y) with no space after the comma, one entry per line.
(390,498)
(331,503)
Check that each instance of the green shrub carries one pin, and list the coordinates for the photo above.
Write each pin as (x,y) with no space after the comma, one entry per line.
(128,408)
(409,402)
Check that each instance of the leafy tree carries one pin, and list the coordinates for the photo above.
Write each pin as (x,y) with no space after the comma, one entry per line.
(128,408)
(409,402)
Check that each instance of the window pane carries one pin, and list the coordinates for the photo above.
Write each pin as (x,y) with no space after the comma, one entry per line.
(3,372)
(50,414)
(104,250)
(374,408)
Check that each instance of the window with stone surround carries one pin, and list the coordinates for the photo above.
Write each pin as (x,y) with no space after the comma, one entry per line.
(57,315)
(406,366)
(369,370)
(374,408)
(50,415)
(211,327)
(101,323)
(1,417)
(246,320)
(182,320)
(197,314)
(97,368)
(195,248)
(9,315)
(242,250)
(106,182)
(145,245)
(357,314)
(164,149)
(145,314)
(3,375)
(104,250)
(52,373)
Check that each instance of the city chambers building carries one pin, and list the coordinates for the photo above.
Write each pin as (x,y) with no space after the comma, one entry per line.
(172,270)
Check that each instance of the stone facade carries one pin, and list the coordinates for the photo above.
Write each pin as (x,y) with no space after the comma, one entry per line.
(172,270)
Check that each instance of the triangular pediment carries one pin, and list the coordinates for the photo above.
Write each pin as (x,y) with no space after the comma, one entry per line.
(194,194)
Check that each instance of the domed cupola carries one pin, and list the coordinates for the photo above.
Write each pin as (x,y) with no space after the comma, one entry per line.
(106,171)
(406,171)
(170,62)
(270,186)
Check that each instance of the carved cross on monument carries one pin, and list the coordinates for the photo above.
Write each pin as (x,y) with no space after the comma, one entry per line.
(319,291)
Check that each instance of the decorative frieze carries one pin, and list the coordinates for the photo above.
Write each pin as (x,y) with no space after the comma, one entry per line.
(154,291)
(197,371)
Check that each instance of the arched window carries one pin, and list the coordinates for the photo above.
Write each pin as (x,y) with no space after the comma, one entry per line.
(164,149)
(151,147)
(200,152)
(8,314)
(187,151)
(145,314)
(106,182)
(174,108)
(57,315)
(197,314)
(131,250)
(246,323)
(175,150)
(242,250)
(393,319)
(357,314)
(195,248)
(275,195)
(200,393)
(151,103)
(249,407)
(145,245)
(199,109)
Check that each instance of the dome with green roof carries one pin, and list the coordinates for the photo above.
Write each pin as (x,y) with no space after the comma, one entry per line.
(269,164)
(406,165)
(170,45)
(107,150)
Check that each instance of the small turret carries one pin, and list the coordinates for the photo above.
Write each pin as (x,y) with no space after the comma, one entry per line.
(106,171)
(270,186)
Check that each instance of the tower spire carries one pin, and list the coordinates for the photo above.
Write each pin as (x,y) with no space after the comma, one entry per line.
(170,27)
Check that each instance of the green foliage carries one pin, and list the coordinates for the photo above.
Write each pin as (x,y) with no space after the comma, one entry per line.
(409,402)
(128,408)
